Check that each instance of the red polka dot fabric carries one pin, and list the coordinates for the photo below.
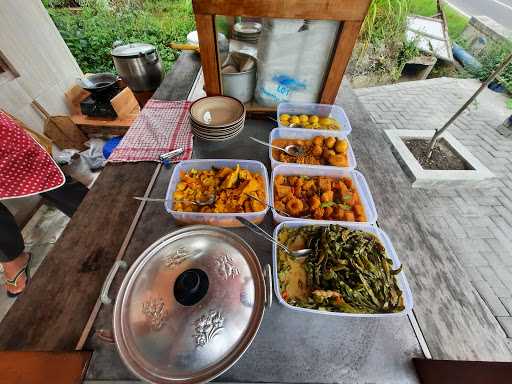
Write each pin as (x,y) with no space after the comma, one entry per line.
(25,167)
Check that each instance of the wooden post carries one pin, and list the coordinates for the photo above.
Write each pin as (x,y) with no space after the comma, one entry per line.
(207,34)
(346,40)
(350,13)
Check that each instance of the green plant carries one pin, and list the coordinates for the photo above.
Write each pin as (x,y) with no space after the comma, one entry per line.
(382,49)
(90,32)
(385,21)
(490,57)
(509,104)
(456,22)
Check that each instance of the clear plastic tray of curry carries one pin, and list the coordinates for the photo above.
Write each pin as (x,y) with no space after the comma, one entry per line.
(353,271)
(323,193)
(215,191)
(318,117)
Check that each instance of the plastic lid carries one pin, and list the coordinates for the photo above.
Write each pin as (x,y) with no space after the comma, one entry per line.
(189,306)
(133,50)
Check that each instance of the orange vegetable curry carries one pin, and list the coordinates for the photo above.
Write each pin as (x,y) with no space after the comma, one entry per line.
(230,186)
(318,197)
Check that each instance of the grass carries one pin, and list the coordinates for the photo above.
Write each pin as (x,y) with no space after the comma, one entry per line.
(456,22)
(90,31)
(382,50)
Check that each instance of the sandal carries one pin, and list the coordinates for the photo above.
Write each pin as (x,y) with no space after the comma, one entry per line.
(14,282)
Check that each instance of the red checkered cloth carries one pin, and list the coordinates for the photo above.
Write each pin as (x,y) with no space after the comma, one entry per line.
(25,167)
(160,127)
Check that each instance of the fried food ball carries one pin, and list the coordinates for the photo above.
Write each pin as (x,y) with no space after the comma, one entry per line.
(313,119)
(318,140)
(303,119)
(284,117)
(294,120)
(330,142)
(327,153)
(338,160)
(341,146)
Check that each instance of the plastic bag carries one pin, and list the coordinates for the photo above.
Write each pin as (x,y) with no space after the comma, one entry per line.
(63,156)
(94,155)
(293,56)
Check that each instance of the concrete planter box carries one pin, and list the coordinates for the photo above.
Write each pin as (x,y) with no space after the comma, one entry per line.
(426,178)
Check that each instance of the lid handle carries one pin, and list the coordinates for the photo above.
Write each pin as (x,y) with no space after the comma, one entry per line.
(147,57)
(105,299)
(191,286)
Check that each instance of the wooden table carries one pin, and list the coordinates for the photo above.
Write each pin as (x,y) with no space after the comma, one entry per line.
(343,349)
(65,290)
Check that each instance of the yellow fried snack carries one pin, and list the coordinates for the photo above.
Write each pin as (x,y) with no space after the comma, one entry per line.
(230,186)
(320,150)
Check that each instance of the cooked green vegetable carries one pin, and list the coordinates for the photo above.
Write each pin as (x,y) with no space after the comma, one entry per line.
(348,271)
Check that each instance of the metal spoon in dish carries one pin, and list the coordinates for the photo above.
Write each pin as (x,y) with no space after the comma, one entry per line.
(199,203)
(298,254)
(292,149)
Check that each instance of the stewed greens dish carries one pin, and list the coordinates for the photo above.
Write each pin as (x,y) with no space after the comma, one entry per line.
(348,271)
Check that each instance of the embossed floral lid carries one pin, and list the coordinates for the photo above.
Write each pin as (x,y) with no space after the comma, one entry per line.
(189,306)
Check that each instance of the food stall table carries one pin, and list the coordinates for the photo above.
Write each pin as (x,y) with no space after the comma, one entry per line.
(290,346)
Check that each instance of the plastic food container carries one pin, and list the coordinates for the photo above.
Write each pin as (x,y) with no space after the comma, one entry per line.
(321,110)
(306,134)
(219,219)
(381,235)
(300,170)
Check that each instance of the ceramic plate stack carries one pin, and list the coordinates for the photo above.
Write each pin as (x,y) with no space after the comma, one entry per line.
(217,118)
(247,31)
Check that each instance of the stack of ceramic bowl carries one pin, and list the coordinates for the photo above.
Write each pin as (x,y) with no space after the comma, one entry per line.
(217,118)
(247,31)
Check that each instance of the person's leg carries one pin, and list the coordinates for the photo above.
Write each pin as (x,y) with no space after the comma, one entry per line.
(68,197)
(12,255)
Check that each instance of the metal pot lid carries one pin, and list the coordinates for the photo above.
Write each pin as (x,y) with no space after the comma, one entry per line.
(133,50)
(189,306)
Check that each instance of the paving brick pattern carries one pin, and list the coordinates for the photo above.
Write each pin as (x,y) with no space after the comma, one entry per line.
(476,223)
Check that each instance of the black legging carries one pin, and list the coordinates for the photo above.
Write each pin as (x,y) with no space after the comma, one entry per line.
(66,198)
(11,241)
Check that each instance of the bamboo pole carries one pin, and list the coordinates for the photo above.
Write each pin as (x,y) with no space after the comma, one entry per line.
(484,85)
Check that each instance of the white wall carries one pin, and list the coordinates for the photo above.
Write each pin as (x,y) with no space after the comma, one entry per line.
(33,46)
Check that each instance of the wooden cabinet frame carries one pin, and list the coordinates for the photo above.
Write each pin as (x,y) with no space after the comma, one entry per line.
(350,13)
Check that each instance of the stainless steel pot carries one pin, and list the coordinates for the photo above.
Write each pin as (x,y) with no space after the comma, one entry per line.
(189,306)
(240,83)
(139,65)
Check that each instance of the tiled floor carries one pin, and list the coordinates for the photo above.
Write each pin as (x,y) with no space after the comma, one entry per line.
(40,233)
(476,222)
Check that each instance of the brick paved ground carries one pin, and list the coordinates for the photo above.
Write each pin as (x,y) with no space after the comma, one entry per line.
(477,223)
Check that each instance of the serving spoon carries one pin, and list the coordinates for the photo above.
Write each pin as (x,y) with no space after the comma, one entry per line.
(199,203)
(292,149)
(298,254)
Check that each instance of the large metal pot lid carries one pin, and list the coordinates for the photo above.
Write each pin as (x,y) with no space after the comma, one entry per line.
(133,50)
(189,306)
